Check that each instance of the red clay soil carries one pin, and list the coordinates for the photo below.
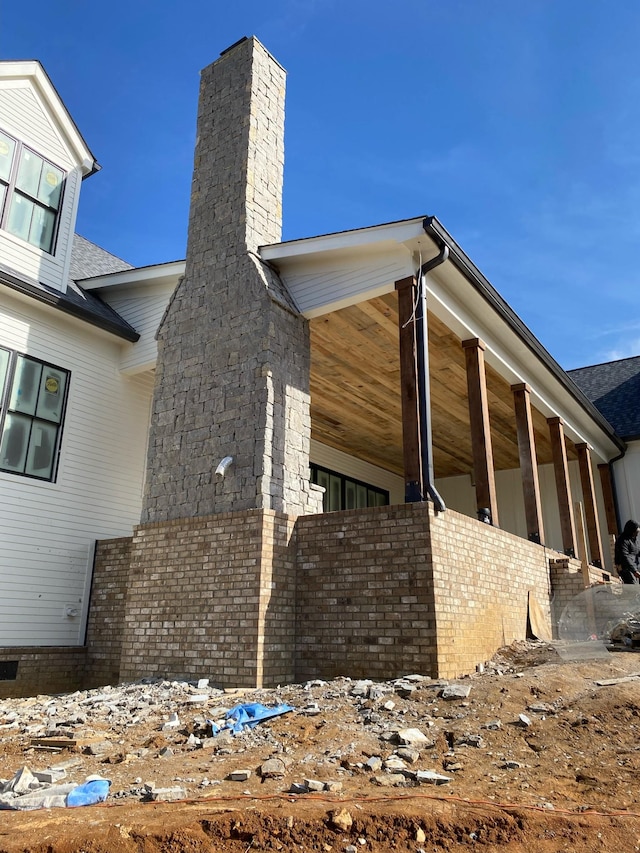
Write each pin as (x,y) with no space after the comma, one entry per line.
(567,782)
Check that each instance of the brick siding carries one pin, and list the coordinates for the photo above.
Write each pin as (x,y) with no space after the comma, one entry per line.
(43,670)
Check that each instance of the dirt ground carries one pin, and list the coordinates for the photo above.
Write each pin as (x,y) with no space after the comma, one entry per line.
(539,756)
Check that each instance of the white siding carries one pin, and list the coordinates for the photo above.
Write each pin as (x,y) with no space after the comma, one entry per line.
(350,466)
(23,116)
(627,483)
(326,285)
(143,307)
(47,529)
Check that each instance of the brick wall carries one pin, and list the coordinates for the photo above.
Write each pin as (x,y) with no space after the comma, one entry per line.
(211,598)
(482,576)
(365,594)
(107,610)
(43,670)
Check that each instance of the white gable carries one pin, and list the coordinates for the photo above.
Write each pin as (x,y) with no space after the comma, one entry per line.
(32,114)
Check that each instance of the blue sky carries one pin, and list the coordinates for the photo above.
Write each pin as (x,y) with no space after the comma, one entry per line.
(516,124)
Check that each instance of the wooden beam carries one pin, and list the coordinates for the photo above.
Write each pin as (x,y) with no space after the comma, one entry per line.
(413,485)
(563,485)
(528,462)
(484,474)
(609,500)
(590,506)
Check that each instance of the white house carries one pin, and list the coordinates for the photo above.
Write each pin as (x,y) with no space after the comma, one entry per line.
(78,353)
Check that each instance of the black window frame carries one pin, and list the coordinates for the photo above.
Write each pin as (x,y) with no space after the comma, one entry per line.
(6,410)
(11,189)
(344,480)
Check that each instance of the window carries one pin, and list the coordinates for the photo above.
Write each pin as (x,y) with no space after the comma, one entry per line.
(33,395)
(342,492)
(30,194)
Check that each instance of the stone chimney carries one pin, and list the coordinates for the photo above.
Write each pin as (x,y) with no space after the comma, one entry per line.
(232,374)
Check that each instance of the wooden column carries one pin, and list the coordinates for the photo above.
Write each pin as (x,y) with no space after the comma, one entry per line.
(528,462)
(480,428)
(413,486)
(590,506)
(609,500)
(563,485)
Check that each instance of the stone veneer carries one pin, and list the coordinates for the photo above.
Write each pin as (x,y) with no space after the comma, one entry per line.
(232,374)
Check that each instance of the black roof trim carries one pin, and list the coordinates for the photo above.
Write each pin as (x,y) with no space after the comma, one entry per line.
(58,300)
(465,265)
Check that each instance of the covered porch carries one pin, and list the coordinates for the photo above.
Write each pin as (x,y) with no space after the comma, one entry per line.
(501,427)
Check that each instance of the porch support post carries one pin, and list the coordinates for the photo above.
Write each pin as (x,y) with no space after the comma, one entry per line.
(413,485)
(480,429)
(590,506)
(609,500)
(528,462)
(563,485)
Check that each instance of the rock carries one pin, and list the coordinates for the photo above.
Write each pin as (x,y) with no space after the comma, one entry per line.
(408,753)
(512,765)
(273,768)
(453,766)
(374,763)
(456,691)
(197,699)
(298,788)
(311,710)
(410,737)
(524,720)
(165,752)
(361,688)
(239,775)
(405,690)
(493,725)
(395,764)
(313,784)
(389,705)
(470,740)
(420,835)
(341,819)
(333,787)
(541,708)
(202,683)
(390,780)
(430,777)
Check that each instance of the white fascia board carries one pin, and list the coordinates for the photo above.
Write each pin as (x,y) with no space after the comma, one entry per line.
(34,72)
(469,315)
(396,232)
(156,274)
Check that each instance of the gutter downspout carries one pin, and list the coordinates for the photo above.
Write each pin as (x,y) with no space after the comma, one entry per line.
(424,391)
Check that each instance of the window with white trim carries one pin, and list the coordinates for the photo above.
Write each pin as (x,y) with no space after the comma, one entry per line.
(33,395)
(30,194)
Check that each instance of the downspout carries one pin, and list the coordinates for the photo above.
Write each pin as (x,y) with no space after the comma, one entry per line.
(424,393)
(616,505)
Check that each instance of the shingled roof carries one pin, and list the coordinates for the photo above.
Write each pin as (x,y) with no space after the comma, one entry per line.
(614,388)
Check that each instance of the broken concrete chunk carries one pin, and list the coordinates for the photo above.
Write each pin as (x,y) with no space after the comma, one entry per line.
(361,688)
(390,780)
(313,785)
(167,795)
(456,691)
(395,764)
(430,777)
(273,768)
(408,753)
(524,720)
(172,723)
(374,763)
(239,776)
(389,705)
(412,737)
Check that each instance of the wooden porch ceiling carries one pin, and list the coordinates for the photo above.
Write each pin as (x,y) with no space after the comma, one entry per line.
(355,393)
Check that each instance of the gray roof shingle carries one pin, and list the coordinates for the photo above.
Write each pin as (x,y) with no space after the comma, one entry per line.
(614,387)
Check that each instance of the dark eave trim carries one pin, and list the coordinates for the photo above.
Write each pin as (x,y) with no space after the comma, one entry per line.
(465,265)
(68,307)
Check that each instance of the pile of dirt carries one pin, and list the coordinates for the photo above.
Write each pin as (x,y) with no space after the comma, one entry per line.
(537,752)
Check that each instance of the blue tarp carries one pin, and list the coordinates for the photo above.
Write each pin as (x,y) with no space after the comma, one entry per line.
(248,716)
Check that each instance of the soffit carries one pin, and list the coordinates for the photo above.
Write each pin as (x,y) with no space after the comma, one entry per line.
(355,393)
